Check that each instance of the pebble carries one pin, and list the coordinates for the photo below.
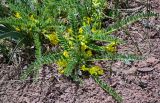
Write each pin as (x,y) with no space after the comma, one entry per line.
(159,93)
(143,84)
(145,69)
(142,64)
(152,61)
(130,71)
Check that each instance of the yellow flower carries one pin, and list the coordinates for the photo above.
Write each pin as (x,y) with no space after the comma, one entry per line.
(61,63)
(18,29)
(83,46)
(93,30)
(80,30)
(61,70)
(89,20)
(96,70)
(17,15)
(83,68)
(44,31)
(111,47)
(100,72)
(65,53)
(53,38)
(71,44)
(31,17)
(84,24)
(89,53)
(80,37)
(69,30)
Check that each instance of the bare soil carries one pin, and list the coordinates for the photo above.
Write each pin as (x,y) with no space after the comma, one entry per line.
(137,82)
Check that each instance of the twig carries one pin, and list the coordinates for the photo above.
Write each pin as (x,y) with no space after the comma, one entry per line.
(132,9)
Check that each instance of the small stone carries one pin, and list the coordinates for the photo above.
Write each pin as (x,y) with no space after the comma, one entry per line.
(146,77)
(114,69)
(152,61)
(109,98)
(159,92)
(57,85)
(114,85)
(130,79)
(157,66)
(145,69)
(118,64)
(143,84)
(142,64)
(130,71)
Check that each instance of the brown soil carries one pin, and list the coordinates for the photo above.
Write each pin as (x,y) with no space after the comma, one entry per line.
(137,82)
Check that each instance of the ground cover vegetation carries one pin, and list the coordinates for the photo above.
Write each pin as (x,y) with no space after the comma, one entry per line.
(74,28)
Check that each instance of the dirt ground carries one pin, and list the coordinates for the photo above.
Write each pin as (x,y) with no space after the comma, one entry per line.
(137,82)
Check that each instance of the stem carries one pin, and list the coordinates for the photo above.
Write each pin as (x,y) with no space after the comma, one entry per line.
(38,52)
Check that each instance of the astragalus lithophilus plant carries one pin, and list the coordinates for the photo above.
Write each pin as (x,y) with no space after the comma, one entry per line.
(74,27)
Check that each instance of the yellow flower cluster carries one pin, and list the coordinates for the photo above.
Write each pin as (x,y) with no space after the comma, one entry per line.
(111,47)
(83,68)
(83,42)
(53,38)
(71,44)
(89,53)
(66,54)
(80,30)
(31,17)
(83,46)
(69,30)
(18,29)
(95,70)
(87,20)
(93,30)
(61,64)
(17,15)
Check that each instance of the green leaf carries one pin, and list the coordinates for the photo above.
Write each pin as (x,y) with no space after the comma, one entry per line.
(115,56)
(37,43)
(12,34)
(106,38)
(63,42)
(128,20)
(95,47)
(108,89)
(70,67)
(3,28)
(35,66)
